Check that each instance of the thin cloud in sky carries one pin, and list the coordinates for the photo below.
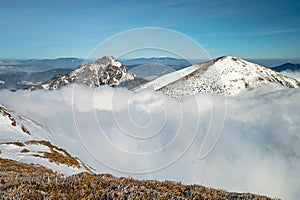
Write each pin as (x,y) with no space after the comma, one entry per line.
(247,33)
(275,32)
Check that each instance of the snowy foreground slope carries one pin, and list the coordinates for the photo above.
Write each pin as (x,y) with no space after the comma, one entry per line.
(105,71)
(25,140)
(229,75)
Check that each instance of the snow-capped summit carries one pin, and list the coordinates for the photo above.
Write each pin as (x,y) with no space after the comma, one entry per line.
(227,74)
(106,70)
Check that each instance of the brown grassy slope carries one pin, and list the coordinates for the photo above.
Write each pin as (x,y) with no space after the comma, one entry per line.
(57,155)
(28,181)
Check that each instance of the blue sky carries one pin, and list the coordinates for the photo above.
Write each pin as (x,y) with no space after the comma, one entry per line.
(247,29)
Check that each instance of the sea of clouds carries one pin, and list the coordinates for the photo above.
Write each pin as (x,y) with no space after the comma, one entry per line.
(246,143)
(293,74)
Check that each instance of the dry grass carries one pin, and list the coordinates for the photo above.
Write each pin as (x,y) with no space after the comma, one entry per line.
(24,181)
(19,144)
(56,154)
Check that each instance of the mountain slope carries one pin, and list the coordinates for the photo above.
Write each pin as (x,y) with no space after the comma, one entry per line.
(106,70)
(228,75)
(25,140)
(36,182)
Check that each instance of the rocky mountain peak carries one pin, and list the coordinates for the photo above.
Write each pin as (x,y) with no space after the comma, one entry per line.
(105,71)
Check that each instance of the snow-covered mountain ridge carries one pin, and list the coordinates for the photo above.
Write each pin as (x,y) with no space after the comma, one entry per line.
(25,140)
(227,74)
(106,70)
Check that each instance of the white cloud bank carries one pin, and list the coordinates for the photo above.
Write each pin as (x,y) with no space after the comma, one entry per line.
(293,74)
(258,149)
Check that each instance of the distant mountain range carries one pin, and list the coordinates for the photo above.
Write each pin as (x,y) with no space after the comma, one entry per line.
(176,63)
(23,74)
(22,80)
(150,68)
(20,74)
(287,67)
(42,64)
